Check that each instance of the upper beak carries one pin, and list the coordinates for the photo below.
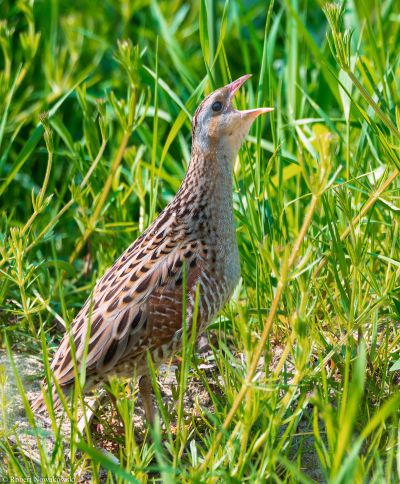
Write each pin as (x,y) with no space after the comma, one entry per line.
(233,88)
(235,85)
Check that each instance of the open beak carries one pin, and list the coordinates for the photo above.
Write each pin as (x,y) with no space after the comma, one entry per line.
(234,86)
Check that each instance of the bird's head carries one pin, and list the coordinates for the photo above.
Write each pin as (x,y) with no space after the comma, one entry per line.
(218,126)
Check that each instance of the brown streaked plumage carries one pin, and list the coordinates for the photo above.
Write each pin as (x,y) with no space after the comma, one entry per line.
(137,305)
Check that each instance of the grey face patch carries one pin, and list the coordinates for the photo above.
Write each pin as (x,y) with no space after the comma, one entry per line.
(205,111)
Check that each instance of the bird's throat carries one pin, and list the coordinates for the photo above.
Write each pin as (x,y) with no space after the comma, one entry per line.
(210,175)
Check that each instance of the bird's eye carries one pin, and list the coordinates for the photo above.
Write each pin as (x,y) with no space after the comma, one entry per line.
(217,106)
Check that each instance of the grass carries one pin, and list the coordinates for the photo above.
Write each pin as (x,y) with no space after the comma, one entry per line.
(95,108)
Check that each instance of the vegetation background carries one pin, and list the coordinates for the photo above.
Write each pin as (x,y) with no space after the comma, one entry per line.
(306,357)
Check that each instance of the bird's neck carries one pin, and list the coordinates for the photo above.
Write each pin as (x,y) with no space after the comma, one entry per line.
(208,180)
(204,205)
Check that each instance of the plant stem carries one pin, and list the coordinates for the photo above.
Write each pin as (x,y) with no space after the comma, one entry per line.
(38,206)
(370,202)
(103,197)
(264,336)
(57,217)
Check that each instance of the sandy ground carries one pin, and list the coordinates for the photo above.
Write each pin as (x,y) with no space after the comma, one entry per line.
(29,367)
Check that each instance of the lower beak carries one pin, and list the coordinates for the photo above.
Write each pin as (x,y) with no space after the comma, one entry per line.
(253,113)
(234,86)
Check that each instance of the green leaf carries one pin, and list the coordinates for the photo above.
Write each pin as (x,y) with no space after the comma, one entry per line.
(106,462)
(395,366)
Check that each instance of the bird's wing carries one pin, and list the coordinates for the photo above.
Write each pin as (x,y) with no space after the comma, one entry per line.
(124,303)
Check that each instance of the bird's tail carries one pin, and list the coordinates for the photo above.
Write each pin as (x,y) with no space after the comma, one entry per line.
(38,405)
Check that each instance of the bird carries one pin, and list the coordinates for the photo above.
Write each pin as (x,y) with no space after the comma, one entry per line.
(137,306)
